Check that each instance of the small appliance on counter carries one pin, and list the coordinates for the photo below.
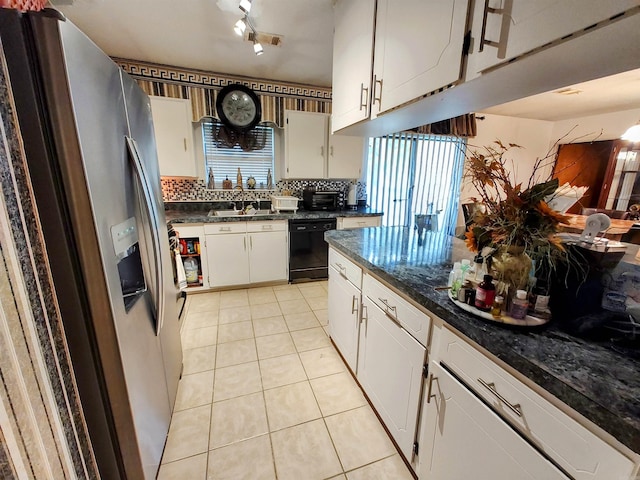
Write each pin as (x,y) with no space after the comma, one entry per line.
(321,200)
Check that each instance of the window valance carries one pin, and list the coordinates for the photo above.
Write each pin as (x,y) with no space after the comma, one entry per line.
(202,89)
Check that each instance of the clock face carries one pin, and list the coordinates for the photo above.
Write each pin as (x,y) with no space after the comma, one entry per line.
(239,107)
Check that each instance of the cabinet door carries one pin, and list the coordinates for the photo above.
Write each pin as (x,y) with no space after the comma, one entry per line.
(463,438)
(518,27)
(228,259)
(305,136)
(172,127)
(268,256)
(352,62)
(344,316)
(390,365)
(418,49)
(346,156)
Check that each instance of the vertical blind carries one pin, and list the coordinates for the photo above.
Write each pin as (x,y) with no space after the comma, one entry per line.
(409,174)
(225,159)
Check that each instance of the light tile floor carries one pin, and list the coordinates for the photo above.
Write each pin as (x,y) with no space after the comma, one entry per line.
(264,395)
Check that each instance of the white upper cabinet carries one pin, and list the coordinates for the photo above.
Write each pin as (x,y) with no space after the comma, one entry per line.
(311,152)
(352,61)
(505,29)
(305,136)
(174,137)
(418,49)
(346,156)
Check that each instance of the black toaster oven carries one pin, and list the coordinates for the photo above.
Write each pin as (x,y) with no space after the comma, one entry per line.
(319,200)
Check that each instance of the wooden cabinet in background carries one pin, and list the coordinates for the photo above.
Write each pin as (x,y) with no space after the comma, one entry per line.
(584,165)
(609,168)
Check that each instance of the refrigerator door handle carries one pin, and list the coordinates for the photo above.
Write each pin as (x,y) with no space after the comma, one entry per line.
(150,209)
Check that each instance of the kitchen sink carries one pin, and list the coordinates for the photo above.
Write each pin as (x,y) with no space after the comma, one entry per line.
(238,213)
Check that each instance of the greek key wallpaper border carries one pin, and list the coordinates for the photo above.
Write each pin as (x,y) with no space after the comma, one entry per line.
(202,88)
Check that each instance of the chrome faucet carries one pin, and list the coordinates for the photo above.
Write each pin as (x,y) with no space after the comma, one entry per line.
(241,188)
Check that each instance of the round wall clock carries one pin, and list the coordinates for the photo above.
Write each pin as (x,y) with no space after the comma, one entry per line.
(238,107)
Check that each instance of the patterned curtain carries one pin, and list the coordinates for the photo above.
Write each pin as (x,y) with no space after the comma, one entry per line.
(462,126)
(202,89)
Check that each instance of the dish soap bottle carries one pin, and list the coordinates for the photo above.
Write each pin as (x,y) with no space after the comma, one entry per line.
(239,177)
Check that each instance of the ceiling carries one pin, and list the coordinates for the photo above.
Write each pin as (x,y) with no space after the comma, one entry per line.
(199,34)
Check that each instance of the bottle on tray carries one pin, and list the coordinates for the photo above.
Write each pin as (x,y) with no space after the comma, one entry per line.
(485,294)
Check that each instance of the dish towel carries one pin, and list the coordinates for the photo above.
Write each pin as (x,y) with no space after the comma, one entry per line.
(182,276)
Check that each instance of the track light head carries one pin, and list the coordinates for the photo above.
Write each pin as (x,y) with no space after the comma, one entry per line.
(240,27)
(245,6)
(257,48)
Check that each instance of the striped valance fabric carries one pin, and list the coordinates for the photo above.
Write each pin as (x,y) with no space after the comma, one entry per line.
(202,89)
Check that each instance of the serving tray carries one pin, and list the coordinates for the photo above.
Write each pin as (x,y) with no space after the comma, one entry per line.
(528,321)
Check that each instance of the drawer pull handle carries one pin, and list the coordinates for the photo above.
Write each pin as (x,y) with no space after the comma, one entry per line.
(517,409)
(429,394)
(390,308)
(267,227)
(341,270)
(225,229)
(354,305)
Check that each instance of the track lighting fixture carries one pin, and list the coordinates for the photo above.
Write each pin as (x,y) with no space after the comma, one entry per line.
(240,27)
(252,35)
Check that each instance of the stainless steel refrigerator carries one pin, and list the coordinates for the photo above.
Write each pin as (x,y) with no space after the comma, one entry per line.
(88,138)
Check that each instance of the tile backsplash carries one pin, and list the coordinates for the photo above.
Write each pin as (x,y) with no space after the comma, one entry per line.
(180,189)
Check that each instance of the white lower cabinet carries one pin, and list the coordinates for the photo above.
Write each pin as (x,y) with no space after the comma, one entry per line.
(344,315)
(241,253)
(468,440)
(390,365)
(480,421)
(268,256)
(228,259)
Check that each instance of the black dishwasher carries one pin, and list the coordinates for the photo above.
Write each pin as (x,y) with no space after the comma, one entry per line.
(308,252)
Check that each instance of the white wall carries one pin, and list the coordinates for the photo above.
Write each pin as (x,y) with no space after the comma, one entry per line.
(608,126)
(534,136)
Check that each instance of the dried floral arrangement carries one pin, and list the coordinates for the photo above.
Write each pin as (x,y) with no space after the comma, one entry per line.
(513,215)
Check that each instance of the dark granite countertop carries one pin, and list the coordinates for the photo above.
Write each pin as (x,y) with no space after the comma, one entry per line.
(593,379)
(201,216)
